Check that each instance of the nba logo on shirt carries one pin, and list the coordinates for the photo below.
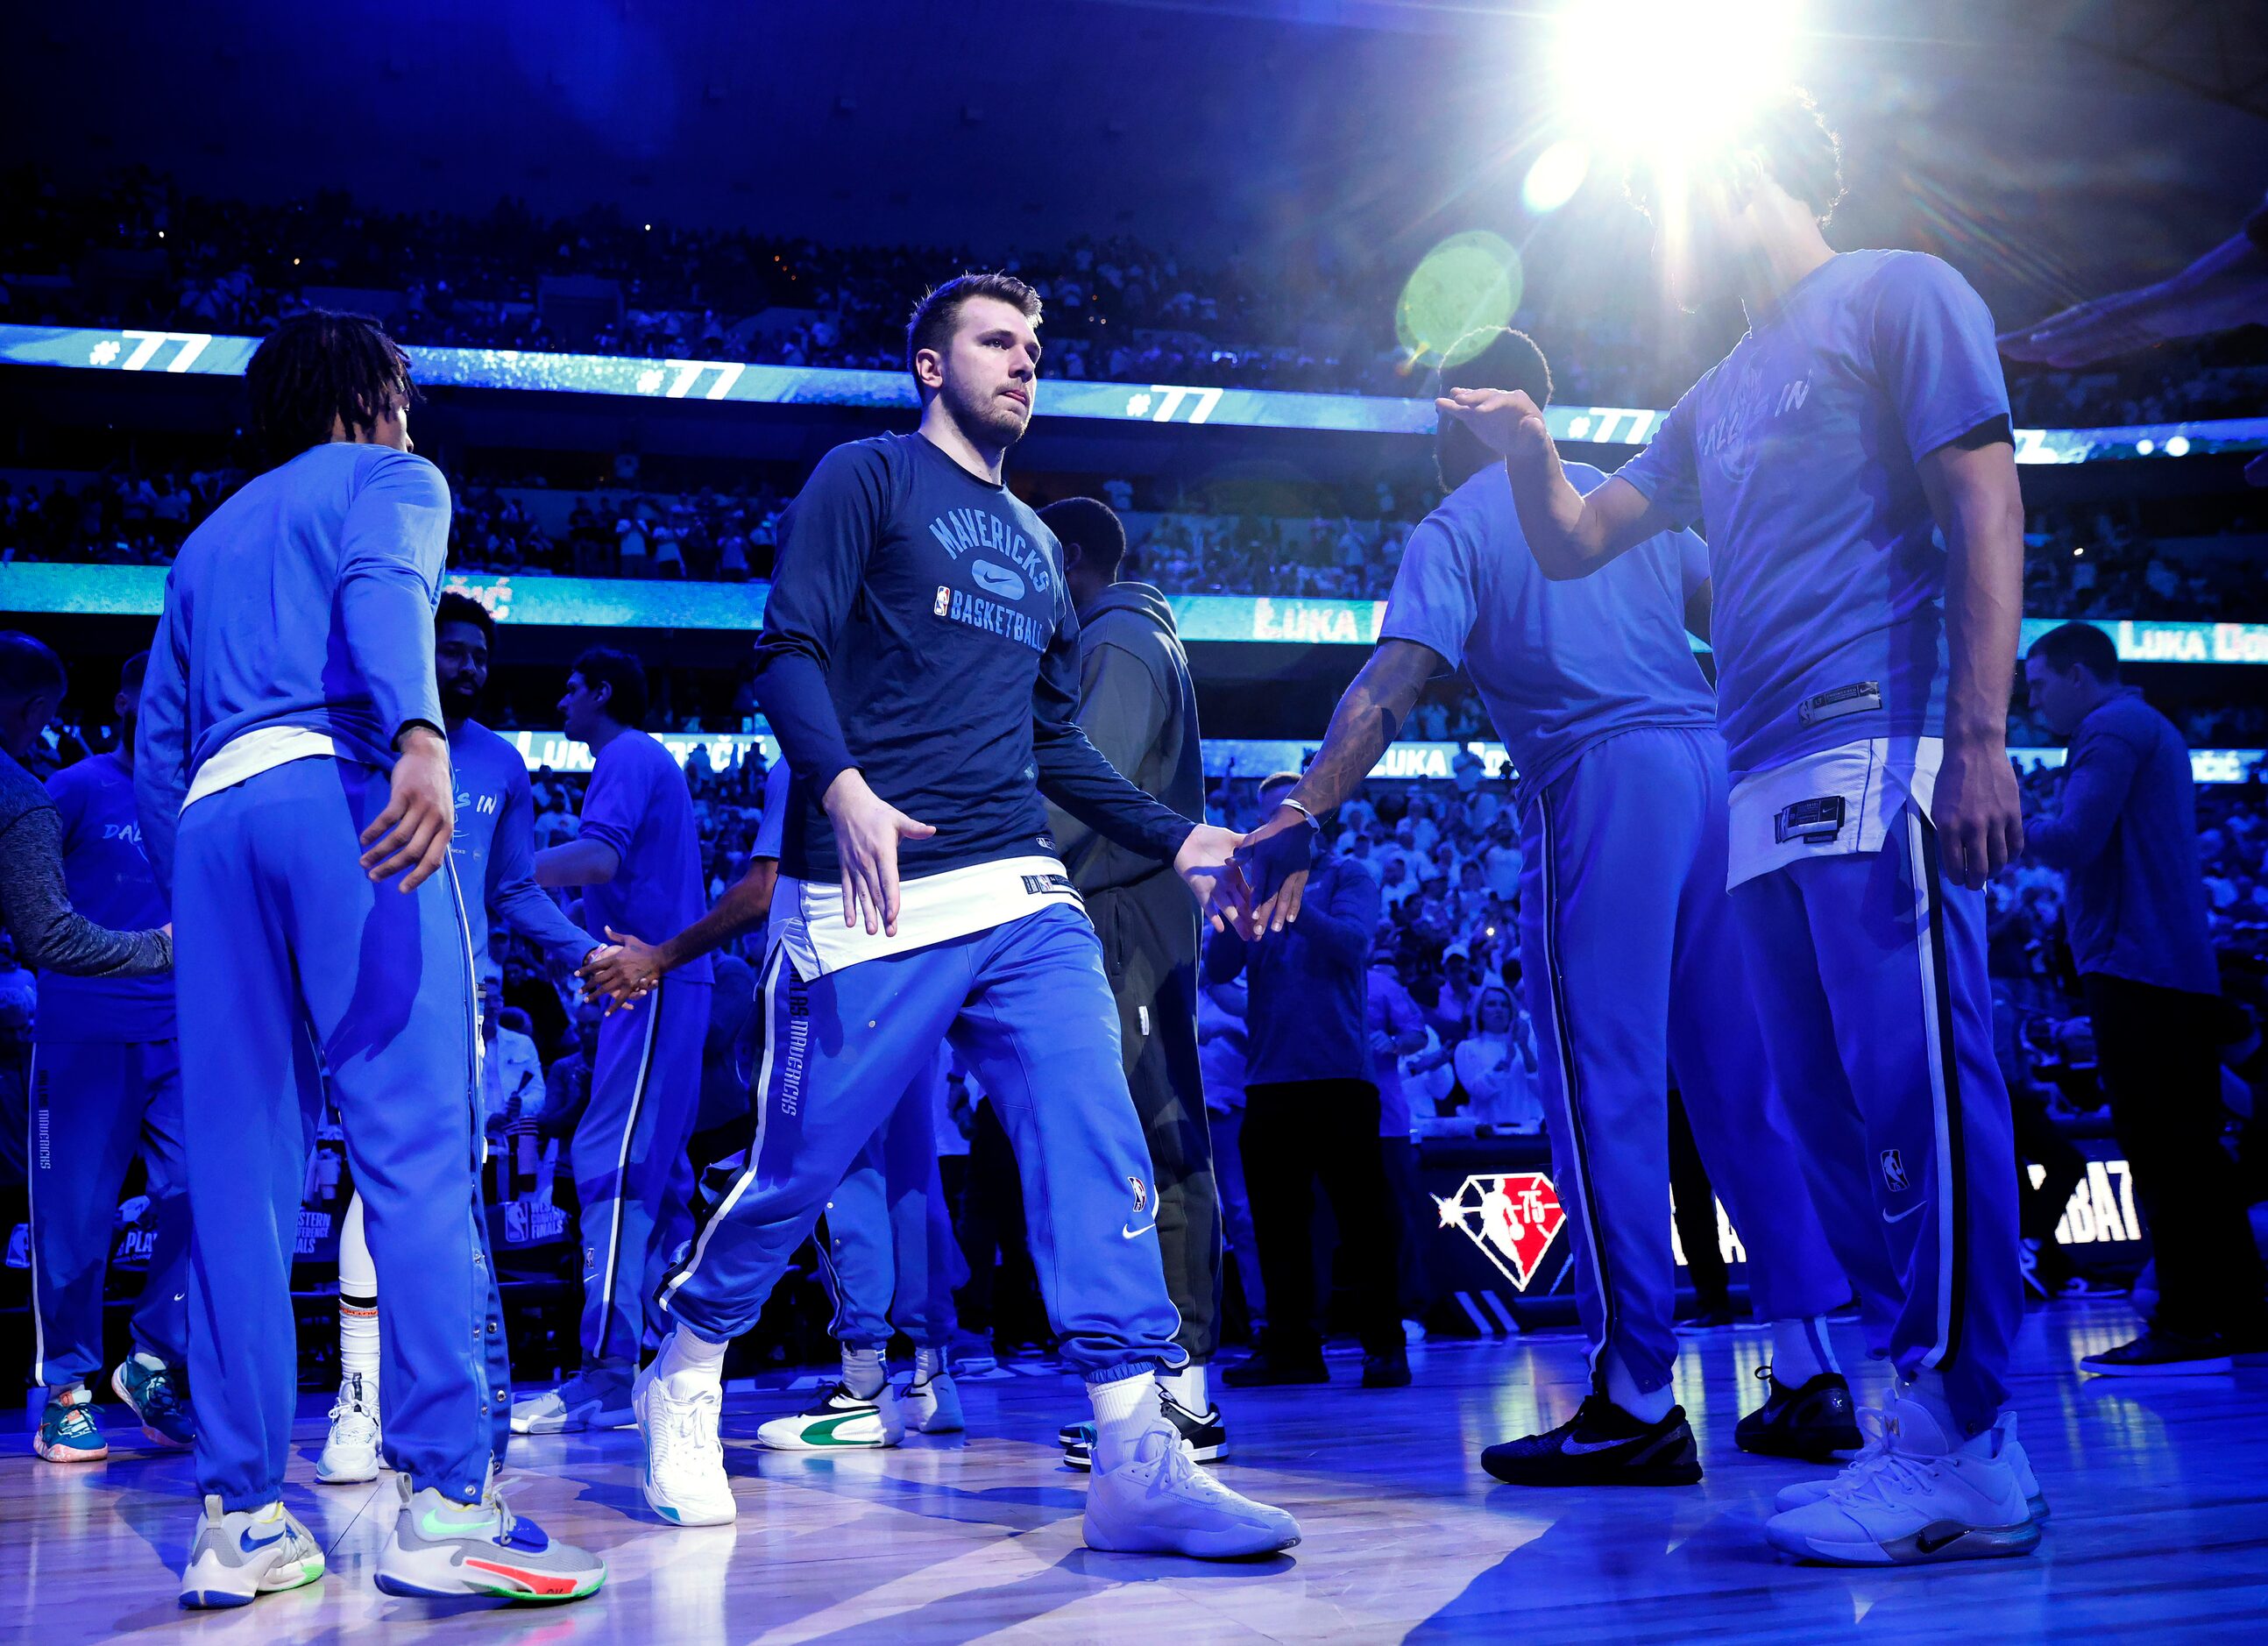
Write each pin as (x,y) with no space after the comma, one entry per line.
(1894,1171)
(943,600)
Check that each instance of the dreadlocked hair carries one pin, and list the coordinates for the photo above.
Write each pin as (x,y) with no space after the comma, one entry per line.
(317,367)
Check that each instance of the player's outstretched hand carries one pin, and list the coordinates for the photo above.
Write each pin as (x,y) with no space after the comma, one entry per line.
(414,831)
(1507,422)
(1276,858)
(624,973)
(1976,811)
(867,829)
(1207,865)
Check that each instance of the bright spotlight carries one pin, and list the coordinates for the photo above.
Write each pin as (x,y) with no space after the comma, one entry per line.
(1665,77)
(2177,446)
(1558,171)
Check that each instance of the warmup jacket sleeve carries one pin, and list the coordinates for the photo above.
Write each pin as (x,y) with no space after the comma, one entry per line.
(1075,775)
(391,552)
(1123,715)
(829,533)
(1347,918)
(2098,779)
(49,935)
(512,891)
(161,751)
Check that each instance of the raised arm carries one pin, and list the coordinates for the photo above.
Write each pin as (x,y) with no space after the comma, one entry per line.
(1572,533)
(1370,713)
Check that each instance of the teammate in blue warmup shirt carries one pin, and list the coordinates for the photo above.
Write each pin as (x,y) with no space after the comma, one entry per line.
(888,1256)
(1852,460)
(295,791)
(105,1083)
(919,662)
(493,853)
(1627,940)
(637,859)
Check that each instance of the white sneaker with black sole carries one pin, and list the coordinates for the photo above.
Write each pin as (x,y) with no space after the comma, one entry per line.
(1921,1499)
(842,1422)
(1156,1501)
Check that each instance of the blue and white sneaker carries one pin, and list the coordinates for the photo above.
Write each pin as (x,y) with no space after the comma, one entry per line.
(597,1397)
(149,1386)
(440,1549)
(68,1431)
(238,1557)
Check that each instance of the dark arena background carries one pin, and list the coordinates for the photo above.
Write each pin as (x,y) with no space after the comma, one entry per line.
(649,263)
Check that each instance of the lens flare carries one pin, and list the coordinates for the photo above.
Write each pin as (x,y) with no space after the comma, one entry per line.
(1468,284)
(1667,77)
(1558,171)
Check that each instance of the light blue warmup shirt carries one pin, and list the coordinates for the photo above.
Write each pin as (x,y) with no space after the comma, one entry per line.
(108,878)
(1560,666)
(308,598)
(1799,451)
(495,851)
(639,804)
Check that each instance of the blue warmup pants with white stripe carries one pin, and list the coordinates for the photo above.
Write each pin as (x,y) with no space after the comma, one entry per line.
(291,967)
(633,1180)
(94,1104)
(890,1259)
(1030,1010)
(1634,978)
(1869,973)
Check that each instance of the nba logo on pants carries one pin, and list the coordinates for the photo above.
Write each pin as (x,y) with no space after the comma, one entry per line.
(1894,1171)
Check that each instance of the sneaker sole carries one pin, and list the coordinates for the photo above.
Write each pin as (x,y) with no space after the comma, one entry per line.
(2215,1366)
(571,1424)
(1078,1458)
(1215,1547)
(155,1436)
(210,1596)
(322,1479)
(1687,1475)
(1972,1543)
(1821,1447)
(69,1454)
(770,1444)
(495,1582)
(679,1516)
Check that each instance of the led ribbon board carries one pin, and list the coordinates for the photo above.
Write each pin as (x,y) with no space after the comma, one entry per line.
(636,377)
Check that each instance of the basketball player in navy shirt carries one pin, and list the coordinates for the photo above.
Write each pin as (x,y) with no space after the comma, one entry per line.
(919,662)
(1853,460)
(493,852)
(637,859)
(106,1081)
(295,796)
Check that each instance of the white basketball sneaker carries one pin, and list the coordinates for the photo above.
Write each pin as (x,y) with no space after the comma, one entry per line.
(1920,1498)
(1870,1424)
(932,1407)
(238,1555)
(351,1452)
(1157,1502)
(684,1478)
(842,1421)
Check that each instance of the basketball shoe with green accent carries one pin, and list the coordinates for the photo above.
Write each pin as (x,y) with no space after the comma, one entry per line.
(842,1421)
(239,1556)
(440,1548)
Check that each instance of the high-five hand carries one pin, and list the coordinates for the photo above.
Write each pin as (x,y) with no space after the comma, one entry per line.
(624,972)
(1207,865)
(1506,421)
(867,829)
(1276,857)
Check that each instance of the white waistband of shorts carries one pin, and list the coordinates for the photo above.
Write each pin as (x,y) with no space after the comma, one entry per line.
(247,754)
(807,915)
(1873,778)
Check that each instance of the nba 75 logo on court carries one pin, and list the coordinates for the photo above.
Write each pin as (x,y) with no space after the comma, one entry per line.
(1513,1219)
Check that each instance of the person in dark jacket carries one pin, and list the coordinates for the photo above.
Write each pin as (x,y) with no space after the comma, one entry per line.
(2126,838)
(1136,706)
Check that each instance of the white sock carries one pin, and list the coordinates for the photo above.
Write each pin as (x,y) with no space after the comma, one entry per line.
(1125,1409)
(1800,1351)
(865,1370)
(1623,1390)
(359,1340)
(929,1363)
(687,1365)
(1188,1387)
(1927,1390)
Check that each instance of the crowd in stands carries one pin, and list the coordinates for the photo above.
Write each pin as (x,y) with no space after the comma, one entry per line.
(140,251)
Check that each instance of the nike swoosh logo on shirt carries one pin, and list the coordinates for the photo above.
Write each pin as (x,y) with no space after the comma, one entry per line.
(1900,1217)
(1127,1232)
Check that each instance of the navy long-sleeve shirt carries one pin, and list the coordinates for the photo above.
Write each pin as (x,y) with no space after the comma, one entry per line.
(2125,836)
(918,630)
(1307,1011)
